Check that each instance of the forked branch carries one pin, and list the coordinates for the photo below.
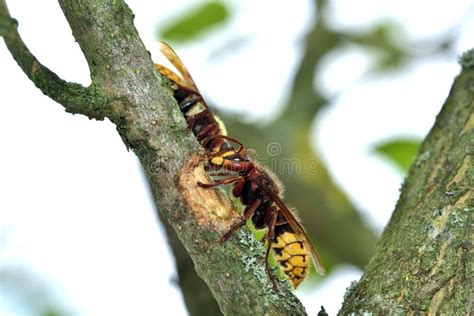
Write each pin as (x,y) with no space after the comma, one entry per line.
(74,97)
(127,89)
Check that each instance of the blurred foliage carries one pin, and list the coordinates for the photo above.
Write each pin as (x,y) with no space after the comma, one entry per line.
(195,22)
(384,41)
(229,46)
(29,293)
(327,214)
(196,294)
(339,232)
(387,40)
(401,152)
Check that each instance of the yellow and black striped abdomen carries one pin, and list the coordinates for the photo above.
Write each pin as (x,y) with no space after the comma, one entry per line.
(292,254)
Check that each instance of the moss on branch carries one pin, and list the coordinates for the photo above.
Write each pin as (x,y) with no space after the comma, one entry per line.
(127,89)
(422,265)
(75,98)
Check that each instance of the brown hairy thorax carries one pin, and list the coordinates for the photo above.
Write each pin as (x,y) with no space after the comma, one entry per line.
(210,207)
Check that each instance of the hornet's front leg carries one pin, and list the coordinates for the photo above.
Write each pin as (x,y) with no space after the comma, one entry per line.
(249,211)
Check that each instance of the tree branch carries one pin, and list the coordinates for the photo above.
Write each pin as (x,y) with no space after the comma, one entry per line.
(140,103)
(422,265)
(196,294)
(74,97)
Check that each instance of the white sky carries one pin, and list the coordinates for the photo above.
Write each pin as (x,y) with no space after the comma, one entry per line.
(90,232)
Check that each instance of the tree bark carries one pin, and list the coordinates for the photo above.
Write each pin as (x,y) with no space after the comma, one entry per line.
(126,89)
(197,296)
(424,261)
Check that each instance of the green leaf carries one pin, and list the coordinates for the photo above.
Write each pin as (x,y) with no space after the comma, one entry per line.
(195,22)
(400,151)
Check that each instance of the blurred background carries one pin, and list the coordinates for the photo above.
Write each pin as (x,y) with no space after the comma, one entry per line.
(345,90)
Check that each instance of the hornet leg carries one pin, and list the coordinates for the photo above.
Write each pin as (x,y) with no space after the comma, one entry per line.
(247,214)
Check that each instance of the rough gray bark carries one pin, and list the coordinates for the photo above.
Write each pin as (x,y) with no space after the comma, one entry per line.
(126,89)
(424,261)
(197,297)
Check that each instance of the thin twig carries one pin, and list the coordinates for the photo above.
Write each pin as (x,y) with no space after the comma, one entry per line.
(150,123)
(76,98)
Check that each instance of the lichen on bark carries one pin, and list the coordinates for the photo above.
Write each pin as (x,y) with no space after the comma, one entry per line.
(423,259)
(127,89)
(423,263)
